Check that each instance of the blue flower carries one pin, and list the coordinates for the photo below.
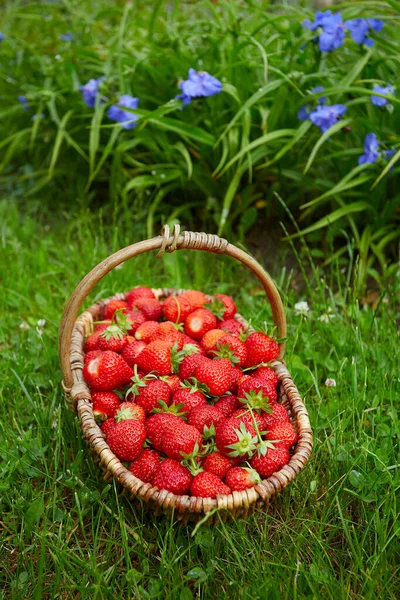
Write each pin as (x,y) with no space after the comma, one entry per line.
(371,147)
(24,102)
(360,28)
(122,116)
(198,85)
(326,116)
(389,153)
(2,36)
(304,112)
(387,90)
(66,37)
(332,35)
(90,91)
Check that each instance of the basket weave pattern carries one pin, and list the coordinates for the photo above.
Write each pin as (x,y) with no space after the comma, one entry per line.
(72,337)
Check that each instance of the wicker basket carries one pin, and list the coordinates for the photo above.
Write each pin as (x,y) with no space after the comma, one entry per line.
(71,340)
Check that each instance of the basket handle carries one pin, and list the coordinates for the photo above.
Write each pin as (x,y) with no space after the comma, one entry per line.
(178,241)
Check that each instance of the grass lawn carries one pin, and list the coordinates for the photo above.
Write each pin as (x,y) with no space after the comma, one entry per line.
(65,533)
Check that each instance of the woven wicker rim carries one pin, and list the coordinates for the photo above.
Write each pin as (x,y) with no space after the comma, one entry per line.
(185,507)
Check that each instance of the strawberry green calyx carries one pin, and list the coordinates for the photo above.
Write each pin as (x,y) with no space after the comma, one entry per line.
(225,351)
(253,474)
(123,414)
(113,331)
(246,444)
(208,432)
(256,401)
(177,356)
(217,307)
(174,409)
(193,385)
(138,382)
(191,461)
(263,446)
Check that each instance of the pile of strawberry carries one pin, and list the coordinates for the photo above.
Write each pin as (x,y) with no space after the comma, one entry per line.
(185,395)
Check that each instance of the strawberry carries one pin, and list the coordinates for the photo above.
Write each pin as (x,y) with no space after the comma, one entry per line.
(107,372)
(242,478)
(209,339)
(92,342)
(285,433)
(267,374)
(173,381)
(138,292)
(188,340)
(227,405)
(107,425)
(279,415)
(232,348)
(190,397)
(102,325)
(189,365)
(132,351)
(180,440)
(144,467)
(197,299)
(130,411)
(215,374)
(231,326)
(113,306)
(256,385)
(167,332)
(204,417)
(156,357)
(151,393)
(260,349)
(236,374)
(223,307)
(150,307)
(217,463)
(156,425)
(176,309)
(134,319)
(235,438)
(172,477)
(198,322)
(271,462)
(246,416)
(113,338)
(145,331)
(91,355)
(208,485)
(105,404)
(126,439)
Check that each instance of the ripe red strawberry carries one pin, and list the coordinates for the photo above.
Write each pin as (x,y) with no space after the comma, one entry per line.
(105,404)
(180,440)
(167,332)
(156,425)
(245,416)
(208,485)
(91,355)
(267,374)
(189,365)
(156,357)
(209,339)
(236,375)
(232,348)
(113,338)
(102,326)
(235,438)
(231,326)
(215,374)
(113,306)
(285,433)
(107,372)
(172,477)
(257,385)
(126,439)
(204,416)
(223,307)
(227,405)
(176,309)
(217,463)
(148,396)
(107,425)
(150,307)
(173,381)
(92,342)
(242,478)
(132,351)
(190,397)
(138,292)
(279,415)
(271,462)
(197,299)
(198,322)
(145,466)
(130,410)
(188,340)
(134,319)
(260,349)
(145,331)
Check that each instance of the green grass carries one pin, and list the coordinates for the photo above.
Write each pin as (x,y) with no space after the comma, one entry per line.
(65,533)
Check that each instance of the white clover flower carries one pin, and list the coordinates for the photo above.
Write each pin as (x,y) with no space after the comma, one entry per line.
(330,382)
(24,325)
(41,323)
(324,318)
(301,308)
